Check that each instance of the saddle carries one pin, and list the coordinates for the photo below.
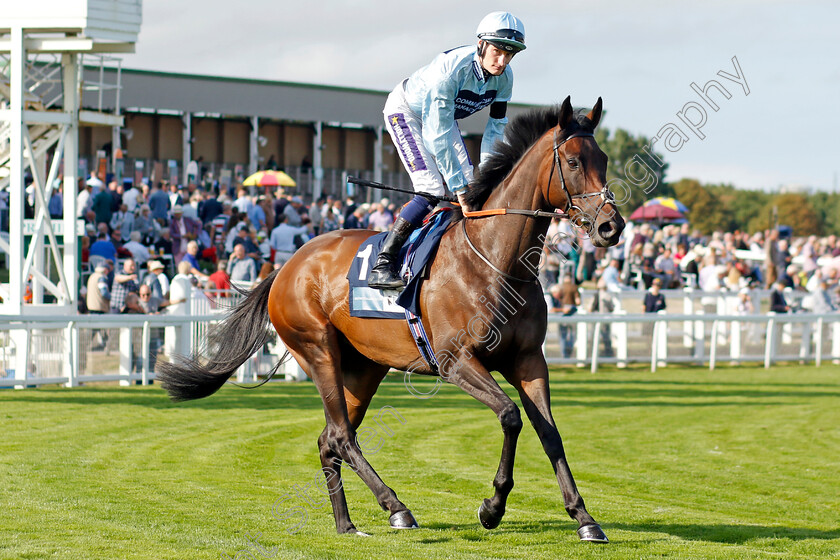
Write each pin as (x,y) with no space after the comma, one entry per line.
(415,257)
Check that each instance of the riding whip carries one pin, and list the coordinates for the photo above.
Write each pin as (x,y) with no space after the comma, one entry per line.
(375,185)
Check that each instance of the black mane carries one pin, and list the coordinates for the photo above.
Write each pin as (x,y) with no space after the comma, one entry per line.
(520,134)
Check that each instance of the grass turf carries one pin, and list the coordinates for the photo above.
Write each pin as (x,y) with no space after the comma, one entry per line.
(681,463)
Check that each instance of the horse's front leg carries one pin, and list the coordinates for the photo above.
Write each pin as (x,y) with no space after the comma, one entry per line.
(474,378)
(530,377)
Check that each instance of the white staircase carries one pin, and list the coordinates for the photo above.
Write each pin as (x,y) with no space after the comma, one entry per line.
(43,82)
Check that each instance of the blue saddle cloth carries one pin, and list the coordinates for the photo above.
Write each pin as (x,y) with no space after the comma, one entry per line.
(414,256)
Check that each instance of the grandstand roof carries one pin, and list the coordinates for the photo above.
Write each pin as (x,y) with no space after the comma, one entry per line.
(165,91)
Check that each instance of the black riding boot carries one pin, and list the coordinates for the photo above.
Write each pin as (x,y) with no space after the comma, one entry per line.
(385,275)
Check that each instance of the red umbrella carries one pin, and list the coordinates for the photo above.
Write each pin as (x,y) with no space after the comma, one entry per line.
(656,212)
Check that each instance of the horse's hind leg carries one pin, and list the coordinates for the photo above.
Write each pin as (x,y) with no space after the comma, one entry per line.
(360,384)
(338,440)
(331,465)
(530,378)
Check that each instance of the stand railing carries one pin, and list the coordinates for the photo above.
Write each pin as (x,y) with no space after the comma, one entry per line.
(92,348)
(663,338)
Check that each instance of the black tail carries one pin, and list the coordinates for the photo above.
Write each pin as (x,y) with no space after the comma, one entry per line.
(228,345)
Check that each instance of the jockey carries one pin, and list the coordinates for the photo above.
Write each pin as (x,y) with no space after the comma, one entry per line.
(420,115)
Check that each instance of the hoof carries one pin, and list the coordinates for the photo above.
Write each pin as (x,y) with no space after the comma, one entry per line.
(488,520)
(347,530)
(403,520)
(592,533)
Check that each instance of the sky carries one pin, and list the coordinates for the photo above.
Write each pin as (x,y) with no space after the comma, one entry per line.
(641,57)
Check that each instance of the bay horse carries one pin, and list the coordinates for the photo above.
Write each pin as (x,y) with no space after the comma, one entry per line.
(549,160)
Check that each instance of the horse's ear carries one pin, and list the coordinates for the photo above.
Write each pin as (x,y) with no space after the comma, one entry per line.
(595,114)
(566,113)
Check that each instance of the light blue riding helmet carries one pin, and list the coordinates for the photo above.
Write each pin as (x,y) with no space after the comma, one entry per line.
(503,30)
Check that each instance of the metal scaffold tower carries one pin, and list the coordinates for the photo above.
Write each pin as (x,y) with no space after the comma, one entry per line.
(43,46)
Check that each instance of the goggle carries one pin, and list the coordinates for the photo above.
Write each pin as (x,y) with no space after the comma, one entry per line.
(507,47)
(498,39)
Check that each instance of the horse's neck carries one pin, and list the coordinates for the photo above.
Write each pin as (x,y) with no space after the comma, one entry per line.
(511,239)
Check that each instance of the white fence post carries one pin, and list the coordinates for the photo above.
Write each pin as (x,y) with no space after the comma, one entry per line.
(242,370)
(145,349)
(186,334)
(71,355)
(688,326)
(20,339)
(290,368)
(713,347)
(125,356)
(620,332)
(770,343)
(818,335)
(722,309)
(580,346)
(662,342)
(735,341)
(805,343)
(699,336)
(596,336)
(654,339)
(787,332)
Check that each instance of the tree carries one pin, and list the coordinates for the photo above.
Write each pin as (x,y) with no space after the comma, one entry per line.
(705,211)
(636,175)
(827,207)
(747,205)
(631,170)
(741,206)
(794,210)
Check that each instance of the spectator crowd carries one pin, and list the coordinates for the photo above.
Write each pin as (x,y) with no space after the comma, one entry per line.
(160,236)
(150,249)
(166,236)
(673,256)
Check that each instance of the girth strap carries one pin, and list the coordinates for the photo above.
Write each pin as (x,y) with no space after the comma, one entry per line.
(418,332)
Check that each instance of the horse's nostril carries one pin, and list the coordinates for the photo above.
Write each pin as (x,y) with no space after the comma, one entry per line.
(606,230)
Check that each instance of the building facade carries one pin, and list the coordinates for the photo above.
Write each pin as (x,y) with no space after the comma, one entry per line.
(233,127)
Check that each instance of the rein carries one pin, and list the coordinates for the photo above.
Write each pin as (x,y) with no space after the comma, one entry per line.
(503,211)
(487,261)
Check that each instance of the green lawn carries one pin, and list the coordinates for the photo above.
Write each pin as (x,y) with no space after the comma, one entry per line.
(683,463)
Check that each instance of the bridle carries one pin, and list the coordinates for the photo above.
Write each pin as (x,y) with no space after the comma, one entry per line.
(604,193)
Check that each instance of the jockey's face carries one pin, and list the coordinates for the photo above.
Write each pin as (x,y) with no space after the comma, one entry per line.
(495,60)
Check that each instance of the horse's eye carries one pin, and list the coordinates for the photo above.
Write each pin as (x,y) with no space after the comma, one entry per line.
(573,163)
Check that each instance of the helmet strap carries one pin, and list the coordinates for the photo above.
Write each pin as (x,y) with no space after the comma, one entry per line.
(481,49)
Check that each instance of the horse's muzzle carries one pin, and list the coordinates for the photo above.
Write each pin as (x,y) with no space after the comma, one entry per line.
(608,232)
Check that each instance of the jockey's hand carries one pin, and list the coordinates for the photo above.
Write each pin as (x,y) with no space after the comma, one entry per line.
(464,206)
